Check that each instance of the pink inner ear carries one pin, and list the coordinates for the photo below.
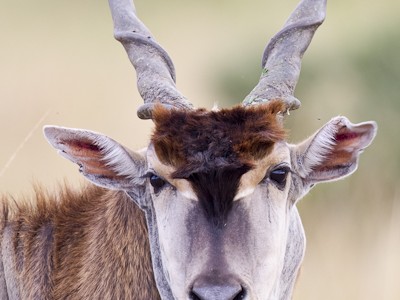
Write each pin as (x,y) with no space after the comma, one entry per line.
(89,156)
(346,136)
(84,145)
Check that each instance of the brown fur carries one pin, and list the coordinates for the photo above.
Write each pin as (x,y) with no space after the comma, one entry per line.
(91,244)
(216,190)
(200,141)
(213,149)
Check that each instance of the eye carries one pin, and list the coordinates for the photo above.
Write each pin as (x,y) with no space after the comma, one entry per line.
(157,182)
(279,176)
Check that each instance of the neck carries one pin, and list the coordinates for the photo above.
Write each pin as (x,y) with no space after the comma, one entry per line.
(90,244)
(158,268)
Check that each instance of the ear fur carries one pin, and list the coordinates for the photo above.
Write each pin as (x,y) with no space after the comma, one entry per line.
(101,159)
(333,151)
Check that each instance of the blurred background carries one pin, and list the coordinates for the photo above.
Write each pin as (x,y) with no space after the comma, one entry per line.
(59,64)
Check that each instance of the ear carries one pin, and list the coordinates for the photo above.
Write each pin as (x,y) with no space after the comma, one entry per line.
(101,160)
(332,152)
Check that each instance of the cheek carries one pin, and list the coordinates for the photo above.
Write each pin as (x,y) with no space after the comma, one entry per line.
(171,214)
(269,233)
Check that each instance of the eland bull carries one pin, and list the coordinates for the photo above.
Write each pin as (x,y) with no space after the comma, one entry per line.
(207,211)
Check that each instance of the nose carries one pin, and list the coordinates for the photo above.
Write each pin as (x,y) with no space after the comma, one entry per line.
(217,289)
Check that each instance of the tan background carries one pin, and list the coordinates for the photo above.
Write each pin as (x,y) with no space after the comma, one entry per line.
(60,65)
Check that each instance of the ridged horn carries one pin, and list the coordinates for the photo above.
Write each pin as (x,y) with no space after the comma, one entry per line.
(154,68)
(281,61)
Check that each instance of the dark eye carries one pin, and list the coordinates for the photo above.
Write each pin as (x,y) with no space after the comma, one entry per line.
(279,176)
(157,182)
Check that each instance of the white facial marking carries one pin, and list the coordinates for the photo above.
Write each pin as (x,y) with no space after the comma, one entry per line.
(249,180)
(182,185)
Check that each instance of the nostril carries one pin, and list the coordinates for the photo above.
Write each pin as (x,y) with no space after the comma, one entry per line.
(230,290)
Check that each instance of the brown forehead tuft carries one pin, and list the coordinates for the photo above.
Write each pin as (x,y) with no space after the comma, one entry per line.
(199,140)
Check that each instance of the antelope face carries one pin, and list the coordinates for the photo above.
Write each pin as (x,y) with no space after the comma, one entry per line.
(224,236)
(224,197)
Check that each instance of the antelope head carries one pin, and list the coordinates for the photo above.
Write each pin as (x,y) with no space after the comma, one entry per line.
(219,188)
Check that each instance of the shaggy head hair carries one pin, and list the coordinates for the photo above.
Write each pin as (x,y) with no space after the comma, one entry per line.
(200,140)
(213,149)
